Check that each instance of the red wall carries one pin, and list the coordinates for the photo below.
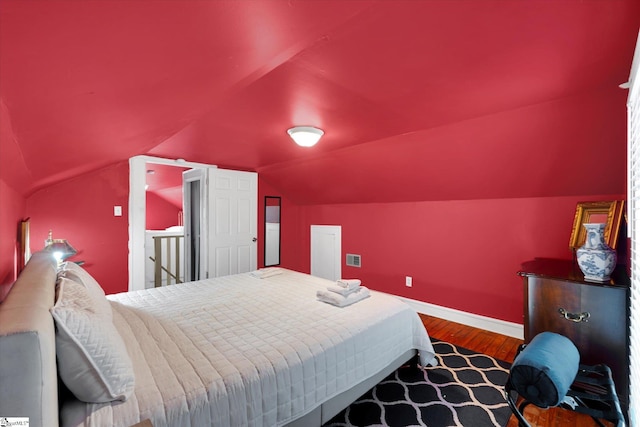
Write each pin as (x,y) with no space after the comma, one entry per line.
(13,175)
(461,254)
(160,213)
(81,211)
(12,212)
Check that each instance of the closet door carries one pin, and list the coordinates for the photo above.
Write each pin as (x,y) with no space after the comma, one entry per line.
(326,251)
(233,223)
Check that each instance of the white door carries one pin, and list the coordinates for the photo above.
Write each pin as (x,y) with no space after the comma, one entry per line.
(233,207)
(194,194)
(326,251)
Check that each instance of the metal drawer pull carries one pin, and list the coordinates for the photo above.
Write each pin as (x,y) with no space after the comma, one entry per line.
(575,317)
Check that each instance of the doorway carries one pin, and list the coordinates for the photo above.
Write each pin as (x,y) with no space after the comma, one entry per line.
(227,225)
(164,225)
(138,167)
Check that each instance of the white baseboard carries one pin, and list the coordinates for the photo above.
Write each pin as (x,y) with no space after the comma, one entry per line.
(487,323)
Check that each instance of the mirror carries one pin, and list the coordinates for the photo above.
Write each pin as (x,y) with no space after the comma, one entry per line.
(271,231)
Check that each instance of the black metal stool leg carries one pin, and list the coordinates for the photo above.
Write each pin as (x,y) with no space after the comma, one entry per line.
(517,412)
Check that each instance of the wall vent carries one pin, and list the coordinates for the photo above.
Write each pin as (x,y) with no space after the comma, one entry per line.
(353,260)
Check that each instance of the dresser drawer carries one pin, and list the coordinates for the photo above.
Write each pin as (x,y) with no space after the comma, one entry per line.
(594,317)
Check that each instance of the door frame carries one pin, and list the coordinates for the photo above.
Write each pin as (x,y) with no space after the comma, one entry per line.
(138,212)
(202,176)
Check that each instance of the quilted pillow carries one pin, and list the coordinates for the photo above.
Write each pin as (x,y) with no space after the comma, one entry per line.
(92,358)
(73,271)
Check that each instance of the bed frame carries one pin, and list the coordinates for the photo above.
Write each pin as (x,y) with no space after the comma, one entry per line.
(28,373)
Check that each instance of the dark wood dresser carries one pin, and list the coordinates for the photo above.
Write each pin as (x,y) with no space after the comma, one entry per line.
(595,316)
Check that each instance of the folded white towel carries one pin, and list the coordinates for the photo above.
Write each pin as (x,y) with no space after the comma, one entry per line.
(343,291)
(348,283)
(263,273)
(342,301)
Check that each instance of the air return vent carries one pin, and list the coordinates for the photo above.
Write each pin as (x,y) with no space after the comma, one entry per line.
(353,260)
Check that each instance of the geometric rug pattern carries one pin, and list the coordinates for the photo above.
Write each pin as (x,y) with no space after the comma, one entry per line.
(465,389)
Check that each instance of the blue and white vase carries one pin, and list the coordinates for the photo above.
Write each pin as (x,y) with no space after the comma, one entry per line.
(596,259)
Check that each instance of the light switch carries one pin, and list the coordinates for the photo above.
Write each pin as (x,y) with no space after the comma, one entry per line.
(117,211)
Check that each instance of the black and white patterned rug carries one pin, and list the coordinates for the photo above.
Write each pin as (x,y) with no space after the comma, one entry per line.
(465,389)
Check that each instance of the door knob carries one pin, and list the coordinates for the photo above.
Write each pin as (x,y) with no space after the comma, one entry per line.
(255,239)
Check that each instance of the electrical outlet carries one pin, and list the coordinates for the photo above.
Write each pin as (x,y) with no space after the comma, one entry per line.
(409,281)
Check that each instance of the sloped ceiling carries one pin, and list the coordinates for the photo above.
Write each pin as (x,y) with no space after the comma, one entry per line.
(420,100)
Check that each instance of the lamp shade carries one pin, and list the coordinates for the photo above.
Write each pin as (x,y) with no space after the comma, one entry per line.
(59,248)
(305,136)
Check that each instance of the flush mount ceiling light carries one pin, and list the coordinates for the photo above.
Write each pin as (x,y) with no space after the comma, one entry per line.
(305,136)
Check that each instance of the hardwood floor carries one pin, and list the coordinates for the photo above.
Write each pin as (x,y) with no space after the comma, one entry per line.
(504,348)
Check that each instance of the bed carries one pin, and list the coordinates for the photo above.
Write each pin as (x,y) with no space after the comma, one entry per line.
(231,351)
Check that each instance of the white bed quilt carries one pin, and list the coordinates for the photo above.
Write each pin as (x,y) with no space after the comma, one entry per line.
(244,351)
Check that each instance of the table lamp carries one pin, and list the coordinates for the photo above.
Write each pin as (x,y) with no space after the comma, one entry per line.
(59,248)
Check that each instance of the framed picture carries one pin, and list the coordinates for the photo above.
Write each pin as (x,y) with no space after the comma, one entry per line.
(609,212)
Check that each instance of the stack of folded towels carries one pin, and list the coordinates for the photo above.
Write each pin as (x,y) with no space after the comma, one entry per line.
(345,292)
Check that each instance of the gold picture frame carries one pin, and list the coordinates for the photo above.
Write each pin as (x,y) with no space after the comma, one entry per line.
(609,212)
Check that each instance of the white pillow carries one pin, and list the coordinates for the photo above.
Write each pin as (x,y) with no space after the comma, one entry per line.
(73,271)
(92,358)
